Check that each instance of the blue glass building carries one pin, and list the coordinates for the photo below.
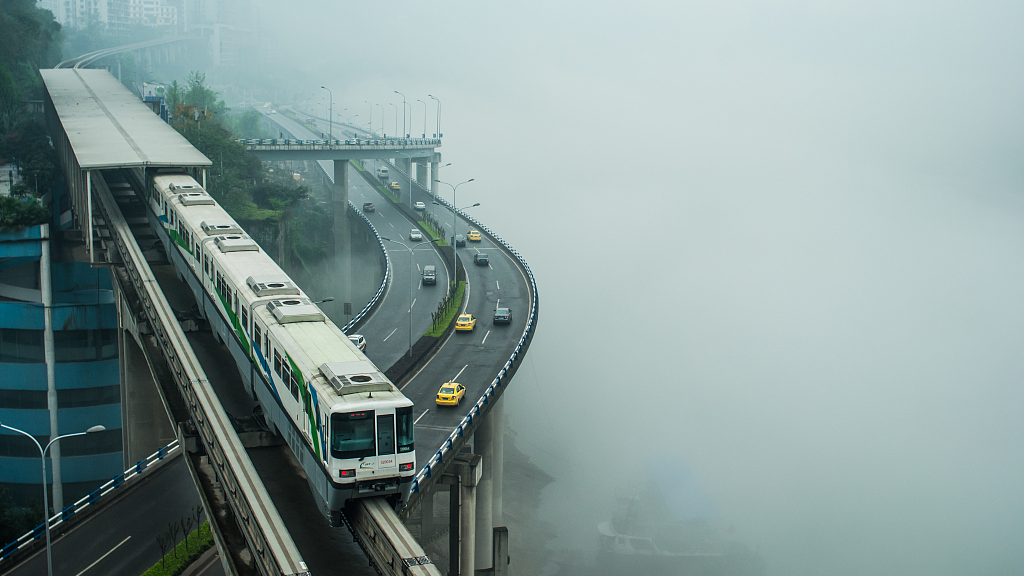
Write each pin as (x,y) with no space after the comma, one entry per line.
(86,371)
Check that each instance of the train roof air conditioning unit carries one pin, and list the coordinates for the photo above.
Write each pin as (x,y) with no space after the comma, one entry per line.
(215,227)
(271,285)
(236,243)
(295,310)
(175,187)
(195,199)
(355,377)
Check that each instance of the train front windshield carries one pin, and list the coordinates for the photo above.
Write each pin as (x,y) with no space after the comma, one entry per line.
(352,434)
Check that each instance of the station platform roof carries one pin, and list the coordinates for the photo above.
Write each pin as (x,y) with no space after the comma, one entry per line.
(109,127)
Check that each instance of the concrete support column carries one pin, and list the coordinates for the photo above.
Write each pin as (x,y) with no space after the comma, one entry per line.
(342,235)
(470,474)
(454,538)
(421,171)
(427,515)
(146,427)
(434,177)
(484,446)
(463,479)
(49,355)
(497,462)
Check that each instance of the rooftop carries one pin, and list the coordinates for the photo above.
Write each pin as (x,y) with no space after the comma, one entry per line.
(109,127)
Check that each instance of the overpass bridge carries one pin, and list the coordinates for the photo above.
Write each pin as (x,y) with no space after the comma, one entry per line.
(108,147)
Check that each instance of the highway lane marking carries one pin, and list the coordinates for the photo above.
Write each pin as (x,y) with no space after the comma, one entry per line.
(102,557)
(489,266)
(435,355)
(485,337)
(435,427)
(413,304)
(389,335)
(498,305)
(460,373)
(498,284)
(417,421)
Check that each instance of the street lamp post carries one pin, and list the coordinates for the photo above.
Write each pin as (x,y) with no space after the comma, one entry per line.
(46,502)
(455,219)
(396,115)
(424,116)
(330,115)
(437,116)
(403,113)
(411,276)
(408,174)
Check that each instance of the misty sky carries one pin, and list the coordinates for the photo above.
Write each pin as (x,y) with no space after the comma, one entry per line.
(777,243)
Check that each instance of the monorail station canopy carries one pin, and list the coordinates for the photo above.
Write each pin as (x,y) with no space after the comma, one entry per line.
(98,124)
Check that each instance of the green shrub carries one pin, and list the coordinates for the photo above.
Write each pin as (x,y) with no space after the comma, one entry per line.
(176,561)
(448,313)
(16,213)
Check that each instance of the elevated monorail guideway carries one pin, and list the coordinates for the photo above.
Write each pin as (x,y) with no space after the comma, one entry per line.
(101,130)
(273,550)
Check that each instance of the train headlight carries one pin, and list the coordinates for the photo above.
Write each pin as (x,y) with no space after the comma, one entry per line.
(405,467)
(346,473)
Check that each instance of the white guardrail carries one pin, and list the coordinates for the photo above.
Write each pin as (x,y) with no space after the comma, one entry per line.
(95,497)
(387,272)
(500,379)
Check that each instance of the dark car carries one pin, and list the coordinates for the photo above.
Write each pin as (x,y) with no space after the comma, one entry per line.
(368,207)
(502,315)
(460,241)
(480,259)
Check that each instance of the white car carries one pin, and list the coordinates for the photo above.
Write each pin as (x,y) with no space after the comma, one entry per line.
(415,234)
(419,206)
(358,340)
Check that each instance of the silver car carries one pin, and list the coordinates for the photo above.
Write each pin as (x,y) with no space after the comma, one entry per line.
(415,234)
(358,340)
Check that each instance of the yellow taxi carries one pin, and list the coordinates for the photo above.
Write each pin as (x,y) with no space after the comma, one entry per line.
(474,235)
(465,322)
(395,186)
(450,394)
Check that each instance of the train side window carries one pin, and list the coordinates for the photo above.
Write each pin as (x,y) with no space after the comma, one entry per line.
(237,307)
(277,364)
(257,335)
(245,320)
(294,386)
(266,344)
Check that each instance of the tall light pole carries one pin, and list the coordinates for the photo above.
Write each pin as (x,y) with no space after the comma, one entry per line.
(424,116)
(411,276)
(330,115)
(403,112)
(396,115)
(455,219)
(408,174)
(46,502)
(438,115)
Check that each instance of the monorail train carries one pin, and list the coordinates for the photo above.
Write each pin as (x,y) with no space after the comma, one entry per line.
(348,425)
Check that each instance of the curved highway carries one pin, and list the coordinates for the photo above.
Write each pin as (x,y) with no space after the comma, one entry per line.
(386,328)
(470,358)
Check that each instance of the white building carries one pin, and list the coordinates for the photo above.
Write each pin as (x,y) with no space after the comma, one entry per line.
(115,14)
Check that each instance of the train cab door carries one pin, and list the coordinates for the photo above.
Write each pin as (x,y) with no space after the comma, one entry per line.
(387,463)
